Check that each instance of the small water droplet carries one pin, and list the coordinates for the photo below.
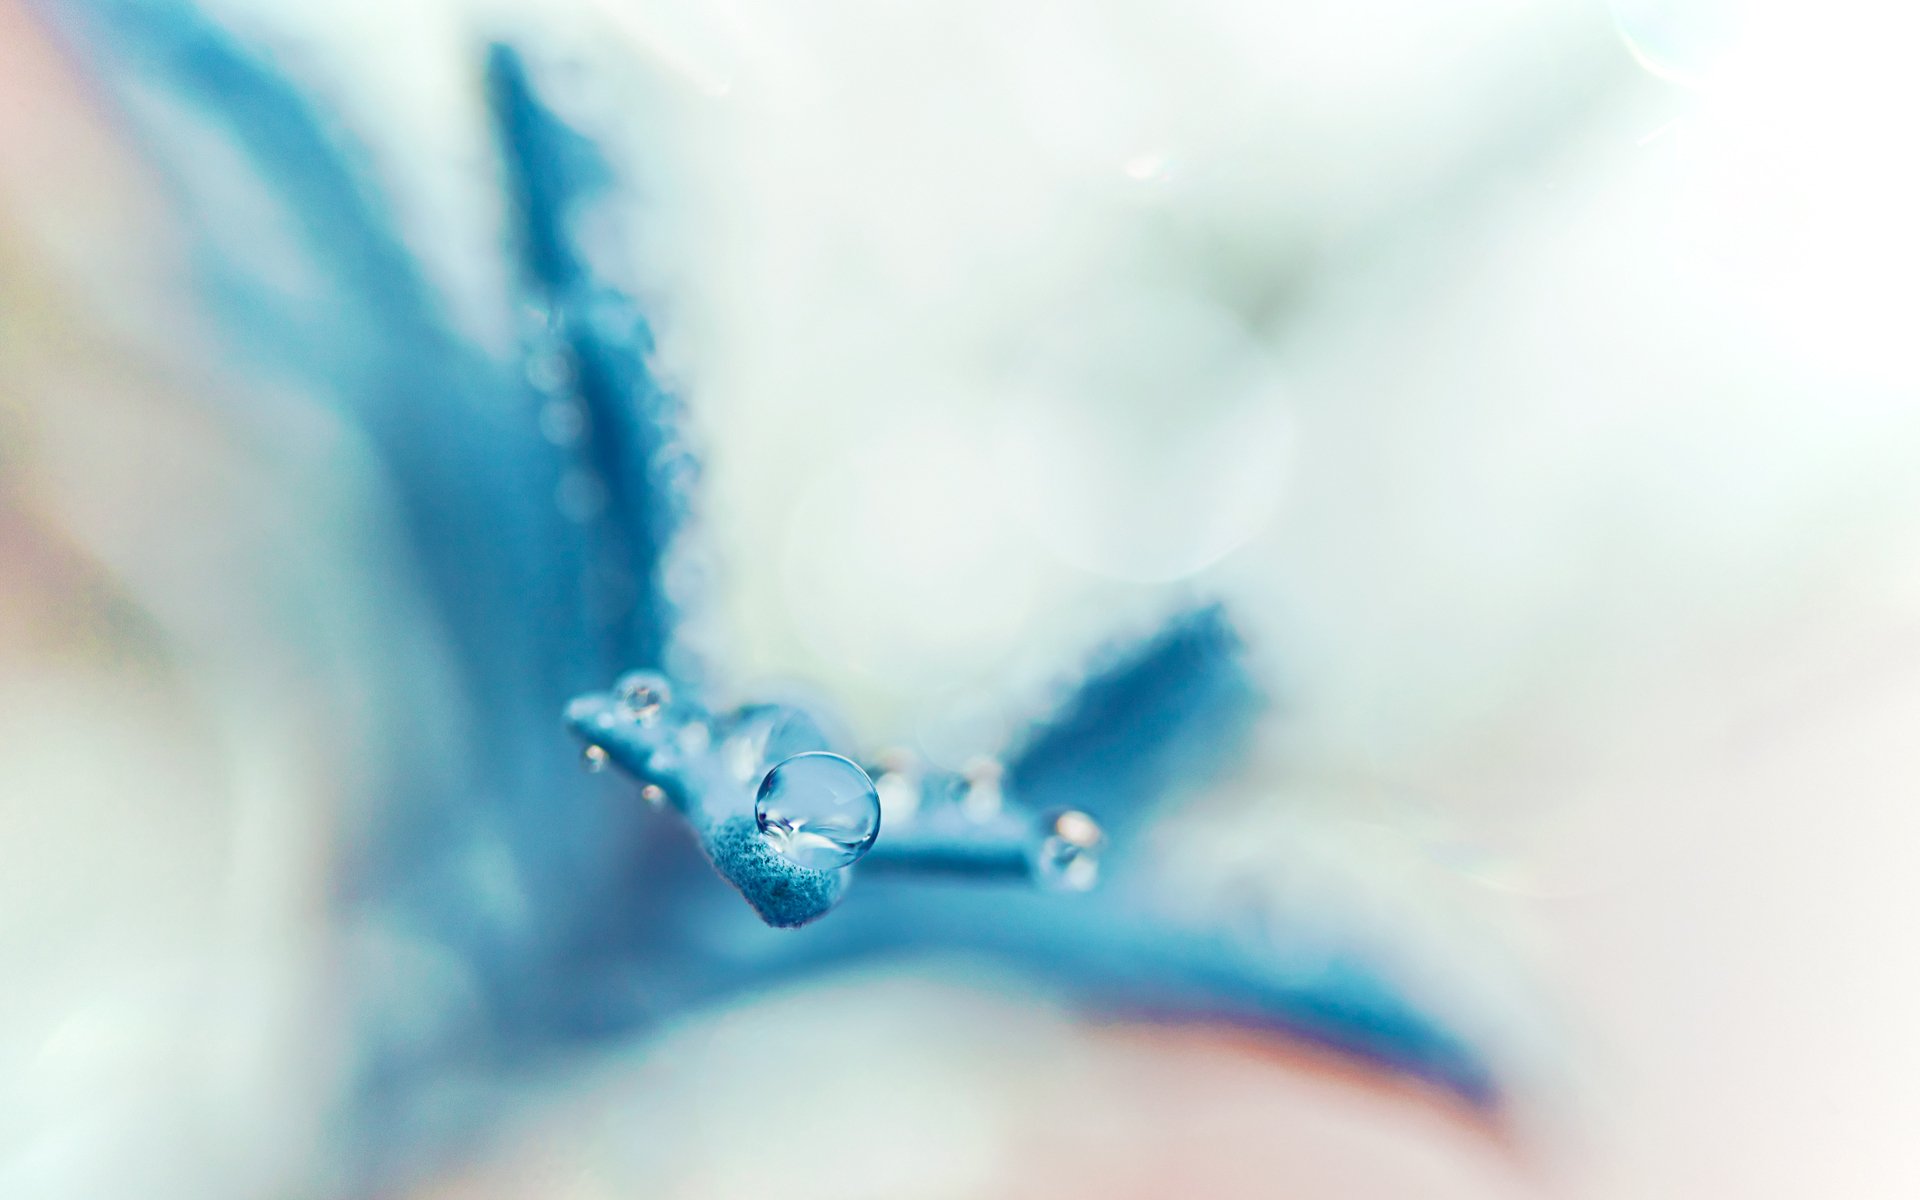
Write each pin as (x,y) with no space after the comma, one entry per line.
(595,758)
(654,795)
(1068,857)
(641,695)
(818,810)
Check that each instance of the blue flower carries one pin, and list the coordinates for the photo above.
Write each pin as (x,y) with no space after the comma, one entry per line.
(537,498)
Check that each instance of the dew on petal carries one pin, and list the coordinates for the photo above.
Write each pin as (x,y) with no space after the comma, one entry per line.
(818,810)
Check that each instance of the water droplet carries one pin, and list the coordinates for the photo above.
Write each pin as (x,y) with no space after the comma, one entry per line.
(1068,858)
(654,795)
(819,810)
(595,758)
(641,696)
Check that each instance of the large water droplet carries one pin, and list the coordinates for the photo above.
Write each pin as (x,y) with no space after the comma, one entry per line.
(818,810)
(1068,857)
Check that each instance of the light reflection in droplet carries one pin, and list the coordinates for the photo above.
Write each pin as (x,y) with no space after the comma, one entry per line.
(641,696)
(818,810)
